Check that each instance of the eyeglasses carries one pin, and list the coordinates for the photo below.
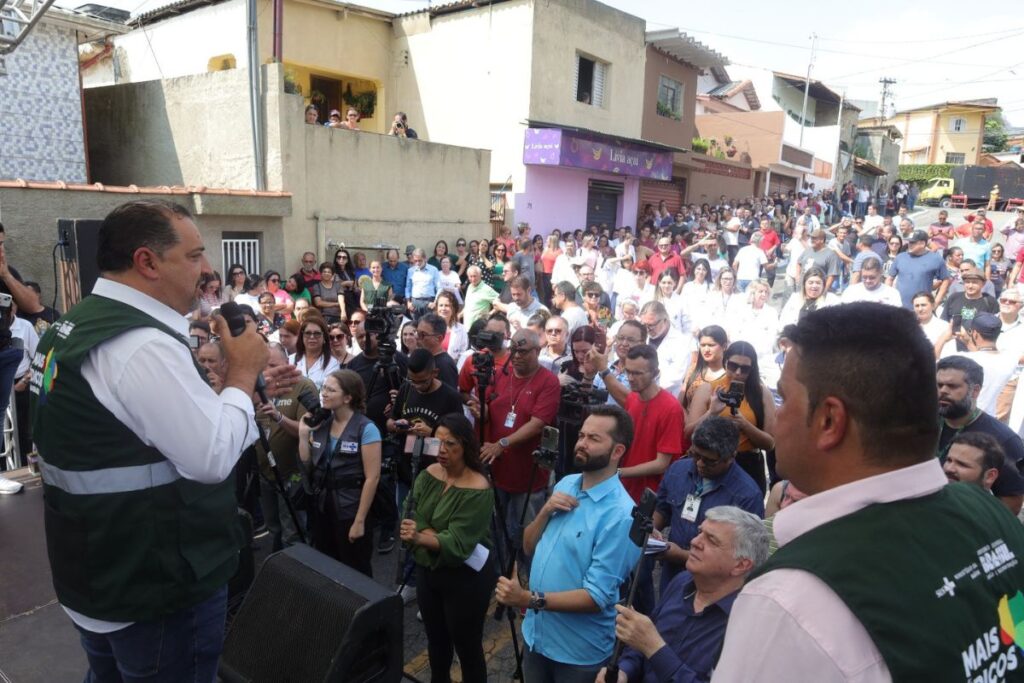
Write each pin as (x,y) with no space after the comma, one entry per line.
(593,295)
(274,279)
(554,330)
(336,337)
(1012,302)
(341,256)
(627,340)
(353,116)
(354,322)
(460,244)
(738,368)
(238,272)
(523,350)
(420,334)
(707,460)
(653,325)
(312,333)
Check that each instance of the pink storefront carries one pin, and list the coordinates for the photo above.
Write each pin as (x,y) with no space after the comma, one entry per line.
(576,178)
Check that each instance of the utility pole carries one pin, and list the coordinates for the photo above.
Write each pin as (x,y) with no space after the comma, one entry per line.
(886,96)
(807,88)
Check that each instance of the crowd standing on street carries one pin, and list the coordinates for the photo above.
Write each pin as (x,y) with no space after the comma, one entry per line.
(818,350)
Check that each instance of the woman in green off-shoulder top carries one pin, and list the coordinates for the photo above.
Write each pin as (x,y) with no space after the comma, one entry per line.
(451,542)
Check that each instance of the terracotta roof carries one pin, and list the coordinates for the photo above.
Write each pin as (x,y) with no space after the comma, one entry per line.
(982,105)
(21,183)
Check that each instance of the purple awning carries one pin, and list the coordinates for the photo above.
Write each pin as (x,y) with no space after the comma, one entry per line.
(558,147)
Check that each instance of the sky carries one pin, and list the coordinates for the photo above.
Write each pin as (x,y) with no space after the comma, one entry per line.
(935,51)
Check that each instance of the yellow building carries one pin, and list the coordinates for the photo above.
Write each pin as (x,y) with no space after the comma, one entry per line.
(945,133)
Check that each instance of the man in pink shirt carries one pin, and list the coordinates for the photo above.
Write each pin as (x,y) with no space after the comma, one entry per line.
(883,572)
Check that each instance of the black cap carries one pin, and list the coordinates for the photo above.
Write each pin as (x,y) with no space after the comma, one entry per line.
(918,236)
(987,324)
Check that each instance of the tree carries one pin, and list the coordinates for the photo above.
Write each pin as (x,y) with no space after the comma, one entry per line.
(995,134)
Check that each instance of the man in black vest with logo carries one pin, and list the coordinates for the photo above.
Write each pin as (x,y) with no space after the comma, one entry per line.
(885,571)
(136,453)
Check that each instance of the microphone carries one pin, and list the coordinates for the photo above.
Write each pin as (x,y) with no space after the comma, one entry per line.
(234,315)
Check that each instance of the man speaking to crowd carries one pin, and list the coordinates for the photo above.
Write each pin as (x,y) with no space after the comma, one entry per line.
(136,452)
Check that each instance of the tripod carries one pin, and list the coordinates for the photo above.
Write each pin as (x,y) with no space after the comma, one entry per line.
(403,573)
(385,369)
(643,524)
(483,378)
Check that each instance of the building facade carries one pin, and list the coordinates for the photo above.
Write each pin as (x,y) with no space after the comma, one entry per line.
(945,133)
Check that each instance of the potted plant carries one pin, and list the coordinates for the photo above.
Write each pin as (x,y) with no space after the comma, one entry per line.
(699,145)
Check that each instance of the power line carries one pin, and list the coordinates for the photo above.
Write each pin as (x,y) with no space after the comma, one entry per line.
(925,40)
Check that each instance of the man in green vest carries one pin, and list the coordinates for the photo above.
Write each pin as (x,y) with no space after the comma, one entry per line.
(885,571)
(136,453)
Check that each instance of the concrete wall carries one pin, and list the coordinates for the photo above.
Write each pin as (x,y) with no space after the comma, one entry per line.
(464,79)
(967,142)
(365,189)
(707,181)
(661,128)
(758,133)
(149,133)
(917,130)
(30,221)
(178,46)
(564,28)
(41,134)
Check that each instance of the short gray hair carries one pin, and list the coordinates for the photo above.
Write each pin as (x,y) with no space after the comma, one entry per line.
(474,269)
(751,542)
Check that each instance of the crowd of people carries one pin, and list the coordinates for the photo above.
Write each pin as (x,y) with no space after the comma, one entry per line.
(410,399)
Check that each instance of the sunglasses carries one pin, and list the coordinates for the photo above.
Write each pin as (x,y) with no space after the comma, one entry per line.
(336,337)
(738,368)
(1011,302)
(312,333)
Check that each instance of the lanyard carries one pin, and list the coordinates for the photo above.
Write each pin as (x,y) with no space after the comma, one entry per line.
(515,399)
(943,452)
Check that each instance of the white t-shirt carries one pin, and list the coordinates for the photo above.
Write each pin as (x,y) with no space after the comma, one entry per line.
(872,224)
(999,368)
(732,235)
(882,294)
(749,260)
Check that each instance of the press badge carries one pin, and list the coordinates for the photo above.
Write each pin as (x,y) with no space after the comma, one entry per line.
(690,508)
(510,419)
(349,447)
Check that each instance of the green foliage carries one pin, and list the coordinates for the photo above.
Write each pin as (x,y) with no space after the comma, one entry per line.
(667,112)
(365,103)
(922,173)
(995,135)
(700,145)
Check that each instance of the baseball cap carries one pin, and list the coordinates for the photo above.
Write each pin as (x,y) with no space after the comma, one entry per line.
(987,324)
(972,272)
(918,236)
(335,112)
(643,265)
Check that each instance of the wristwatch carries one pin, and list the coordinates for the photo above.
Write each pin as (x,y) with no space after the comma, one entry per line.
(503,442)
(604,373)
(537,601)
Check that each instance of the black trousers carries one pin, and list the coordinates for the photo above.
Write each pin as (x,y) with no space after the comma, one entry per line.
(330,536)
(453,603)
(752,462)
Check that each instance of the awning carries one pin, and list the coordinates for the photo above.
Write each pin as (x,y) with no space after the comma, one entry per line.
(578,148)
(866,166)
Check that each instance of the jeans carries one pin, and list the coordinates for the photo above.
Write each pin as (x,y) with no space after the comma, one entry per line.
(512,505)
(182,647)
(277,518)
(539,669)
(862,208)
(741,285)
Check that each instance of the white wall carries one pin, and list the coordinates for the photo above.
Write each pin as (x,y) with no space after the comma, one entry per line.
(179,46)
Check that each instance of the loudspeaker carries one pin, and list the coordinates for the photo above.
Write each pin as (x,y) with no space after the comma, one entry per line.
(308,618)
(79,239)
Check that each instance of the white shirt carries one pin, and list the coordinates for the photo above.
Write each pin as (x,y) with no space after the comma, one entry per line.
(451,283)
(200,432)
(563,271)
(732,237)
(317,373)
(458,340)
(674,355)
(882,294)
(23,330)
(576,317)
(518,317)
(872,224)
(749,260)
(999,368)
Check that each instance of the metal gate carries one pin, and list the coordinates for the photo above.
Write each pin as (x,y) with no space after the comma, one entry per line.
(243,251)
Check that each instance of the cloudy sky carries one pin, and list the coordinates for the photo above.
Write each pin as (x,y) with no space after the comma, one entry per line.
(935,51)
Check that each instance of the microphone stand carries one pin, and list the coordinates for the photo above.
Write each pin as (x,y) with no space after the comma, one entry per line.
(404,572)
(643,524)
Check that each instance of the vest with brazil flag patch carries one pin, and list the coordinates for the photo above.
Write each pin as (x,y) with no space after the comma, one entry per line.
(937,582)
(129,539)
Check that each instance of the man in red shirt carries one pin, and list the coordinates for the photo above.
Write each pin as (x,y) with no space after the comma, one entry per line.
(664,258)
(965,229)
(522,402)
(658,422)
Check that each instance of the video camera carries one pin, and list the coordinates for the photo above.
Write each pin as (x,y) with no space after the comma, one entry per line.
(382,322)
(576,401)
(733,397)
(487,343)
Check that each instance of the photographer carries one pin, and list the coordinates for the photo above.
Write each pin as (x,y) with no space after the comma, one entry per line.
(281,417)
(340,455)
(497,335)
(520,404)
(751,408)
(581,556)
(430,332)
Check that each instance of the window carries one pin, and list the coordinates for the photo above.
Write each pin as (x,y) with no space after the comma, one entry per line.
(591,77)
(955,158)
(670,98)
(958,125)
(242,248)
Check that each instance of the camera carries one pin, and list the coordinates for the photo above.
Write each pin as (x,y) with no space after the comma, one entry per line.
(576,400)
(380,321)
(489,343)
(733,397)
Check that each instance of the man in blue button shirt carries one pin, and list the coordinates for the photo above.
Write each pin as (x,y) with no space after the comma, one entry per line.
(681,640)
(395,273)
(708,477)
(422,283)
(582,555)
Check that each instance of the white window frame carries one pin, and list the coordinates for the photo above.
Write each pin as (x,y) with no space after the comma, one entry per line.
(963,158)
(242,250)
(667,83)
(599,82)
(958,124)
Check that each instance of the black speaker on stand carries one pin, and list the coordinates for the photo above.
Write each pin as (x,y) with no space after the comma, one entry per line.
(309,619)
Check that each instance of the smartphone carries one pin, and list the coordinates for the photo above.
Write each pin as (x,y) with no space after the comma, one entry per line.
(736,388)
(600,339)
(431,446)
(957,323)
(402,424)
(194,342)
(549,439)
